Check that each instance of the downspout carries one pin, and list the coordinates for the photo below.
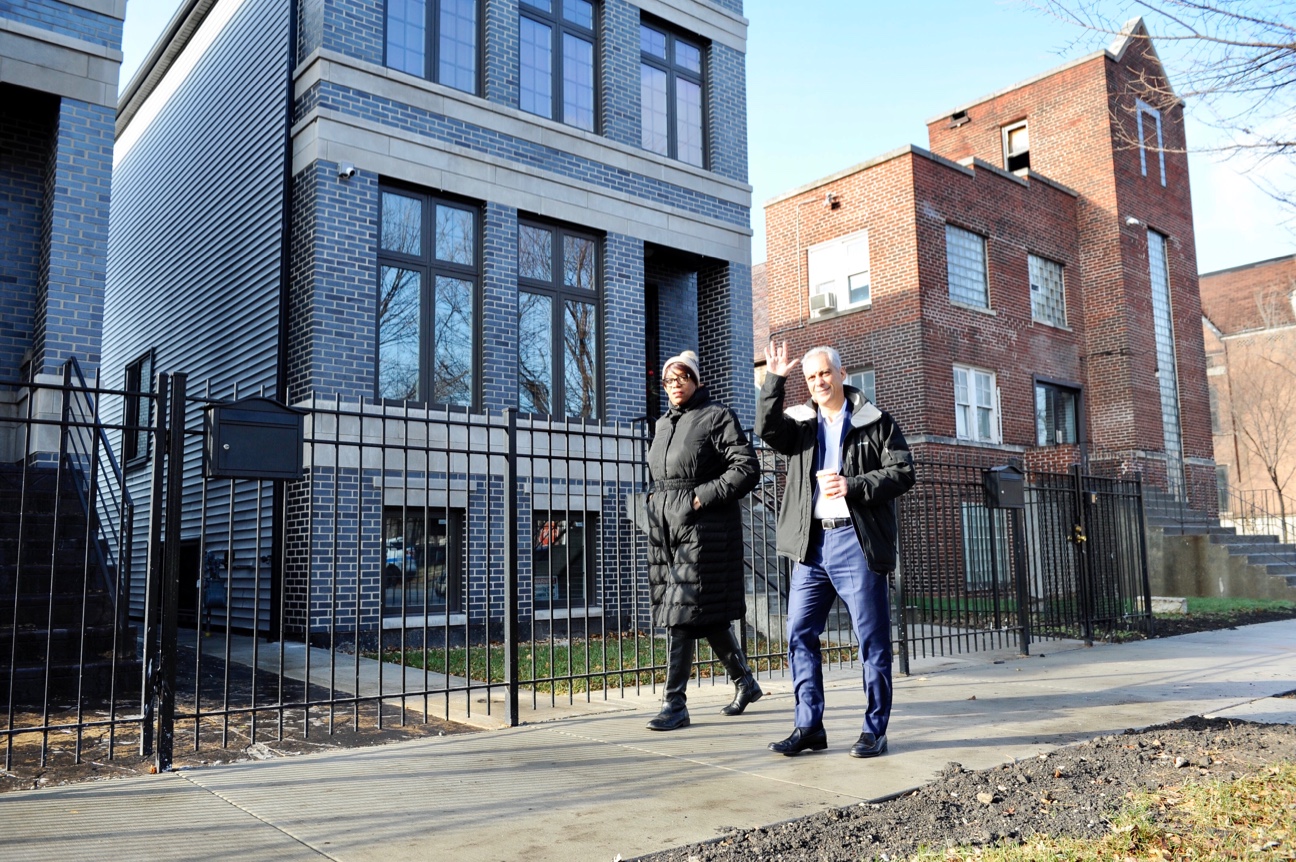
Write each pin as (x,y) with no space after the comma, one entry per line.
(279,495)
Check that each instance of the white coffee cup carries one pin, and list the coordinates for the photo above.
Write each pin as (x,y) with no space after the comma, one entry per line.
(821,476)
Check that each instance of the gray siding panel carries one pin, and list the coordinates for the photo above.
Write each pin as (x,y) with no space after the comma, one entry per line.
(196,237)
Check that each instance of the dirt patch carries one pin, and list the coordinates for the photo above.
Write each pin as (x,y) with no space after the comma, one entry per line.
(109,746)
(1069,792)
(1170,625)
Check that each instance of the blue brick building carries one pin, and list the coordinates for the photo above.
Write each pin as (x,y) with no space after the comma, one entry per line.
(58,87)
(402,215)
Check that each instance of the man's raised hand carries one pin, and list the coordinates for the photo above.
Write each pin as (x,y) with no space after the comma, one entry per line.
(777,361)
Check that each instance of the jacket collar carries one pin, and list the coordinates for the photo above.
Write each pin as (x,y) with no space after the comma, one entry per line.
(863,412)
(699,398)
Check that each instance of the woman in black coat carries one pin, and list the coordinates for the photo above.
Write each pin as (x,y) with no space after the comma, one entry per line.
(701,465)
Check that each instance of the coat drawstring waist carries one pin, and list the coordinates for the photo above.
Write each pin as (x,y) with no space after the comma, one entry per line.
(674,484)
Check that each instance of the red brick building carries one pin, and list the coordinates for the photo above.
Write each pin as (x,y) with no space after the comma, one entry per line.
(1028,285)
(1249,328)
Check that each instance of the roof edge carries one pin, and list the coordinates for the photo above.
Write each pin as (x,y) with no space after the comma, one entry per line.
(175,36)
(1243,266)
(1115,51)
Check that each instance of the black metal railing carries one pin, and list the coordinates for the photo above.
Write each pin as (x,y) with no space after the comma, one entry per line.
(437,564)
(69,676)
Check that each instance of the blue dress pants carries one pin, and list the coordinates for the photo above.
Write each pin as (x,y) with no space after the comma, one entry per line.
(837,567)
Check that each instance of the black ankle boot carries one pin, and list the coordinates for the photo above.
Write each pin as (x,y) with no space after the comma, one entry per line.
(679,667)
(746,689)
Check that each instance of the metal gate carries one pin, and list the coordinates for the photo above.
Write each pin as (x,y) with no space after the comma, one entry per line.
(1070,563)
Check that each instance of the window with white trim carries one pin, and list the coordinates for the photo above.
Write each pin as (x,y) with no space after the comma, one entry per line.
(976,405)
(1048,291)
(865,380)
(841,267)
(1016,146)
(965,257)
(1148,120)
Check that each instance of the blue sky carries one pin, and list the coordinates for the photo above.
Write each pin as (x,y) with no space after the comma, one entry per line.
(834,82)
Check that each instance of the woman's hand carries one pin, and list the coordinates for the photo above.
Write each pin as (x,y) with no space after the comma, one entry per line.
(697,504)
(777,361)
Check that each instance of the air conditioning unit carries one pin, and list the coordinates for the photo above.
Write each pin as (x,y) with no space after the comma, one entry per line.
(822,303)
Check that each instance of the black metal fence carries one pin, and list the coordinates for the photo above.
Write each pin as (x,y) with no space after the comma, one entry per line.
(440,564)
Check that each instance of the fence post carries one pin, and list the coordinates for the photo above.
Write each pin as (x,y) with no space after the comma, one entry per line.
(902,608)
(171,575)
(1080,536)
(510,574)
(1019,564)
(153,564)
(1143,555)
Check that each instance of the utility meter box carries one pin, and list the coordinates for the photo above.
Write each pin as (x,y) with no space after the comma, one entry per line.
(253,438)
(1005,487)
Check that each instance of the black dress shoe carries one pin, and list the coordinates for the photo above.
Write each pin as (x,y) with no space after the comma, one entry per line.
(869,746)
(802,739)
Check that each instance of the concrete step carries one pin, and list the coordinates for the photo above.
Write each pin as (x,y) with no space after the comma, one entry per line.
(1250,539)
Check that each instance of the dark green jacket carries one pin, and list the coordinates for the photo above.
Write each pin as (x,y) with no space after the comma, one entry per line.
(876,464)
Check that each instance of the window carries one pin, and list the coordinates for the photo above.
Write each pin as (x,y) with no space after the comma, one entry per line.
(434,39)
(986,551)
(558,322)
(427,293)
(1056,414)
(563,559)
(1016,146)
(1166,371)
(138,415)
(422,561)
(671,94)
(556,65)
(841,268)
(865,380)
(1048,293)
(976,405)
(965,257)
(1148,120)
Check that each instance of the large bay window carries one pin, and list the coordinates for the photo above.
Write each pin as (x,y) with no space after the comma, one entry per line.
(434,39)
(558,322)
(671,106)
(427,296)
(556,61)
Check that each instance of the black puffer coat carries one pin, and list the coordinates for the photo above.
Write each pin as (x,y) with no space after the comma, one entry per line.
(695,557)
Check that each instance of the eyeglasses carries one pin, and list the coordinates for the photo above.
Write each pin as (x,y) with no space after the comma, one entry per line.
(677,380)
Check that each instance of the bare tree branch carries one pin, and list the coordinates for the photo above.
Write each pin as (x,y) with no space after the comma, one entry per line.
(1235,61)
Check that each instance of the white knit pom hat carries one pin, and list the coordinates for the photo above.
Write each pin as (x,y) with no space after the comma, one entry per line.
(689,360)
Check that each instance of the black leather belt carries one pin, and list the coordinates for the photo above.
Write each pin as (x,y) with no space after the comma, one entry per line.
(834,523)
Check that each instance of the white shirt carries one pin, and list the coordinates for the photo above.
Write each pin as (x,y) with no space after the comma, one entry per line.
(832,432)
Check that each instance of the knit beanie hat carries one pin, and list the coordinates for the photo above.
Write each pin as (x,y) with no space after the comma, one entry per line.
(689,360)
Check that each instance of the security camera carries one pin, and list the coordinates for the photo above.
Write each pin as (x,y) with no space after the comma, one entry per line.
(346,171)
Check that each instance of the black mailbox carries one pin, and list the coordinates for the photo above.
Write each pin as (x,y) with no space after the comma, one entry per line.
(254,438)
(1005,487)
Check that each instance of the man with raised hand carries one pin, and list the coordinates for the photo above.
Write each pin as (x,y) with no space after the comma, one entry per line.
(847,463)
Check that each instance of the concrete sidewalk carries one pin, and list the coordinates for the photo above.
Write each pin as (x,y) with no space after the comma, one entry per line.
(596,784)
